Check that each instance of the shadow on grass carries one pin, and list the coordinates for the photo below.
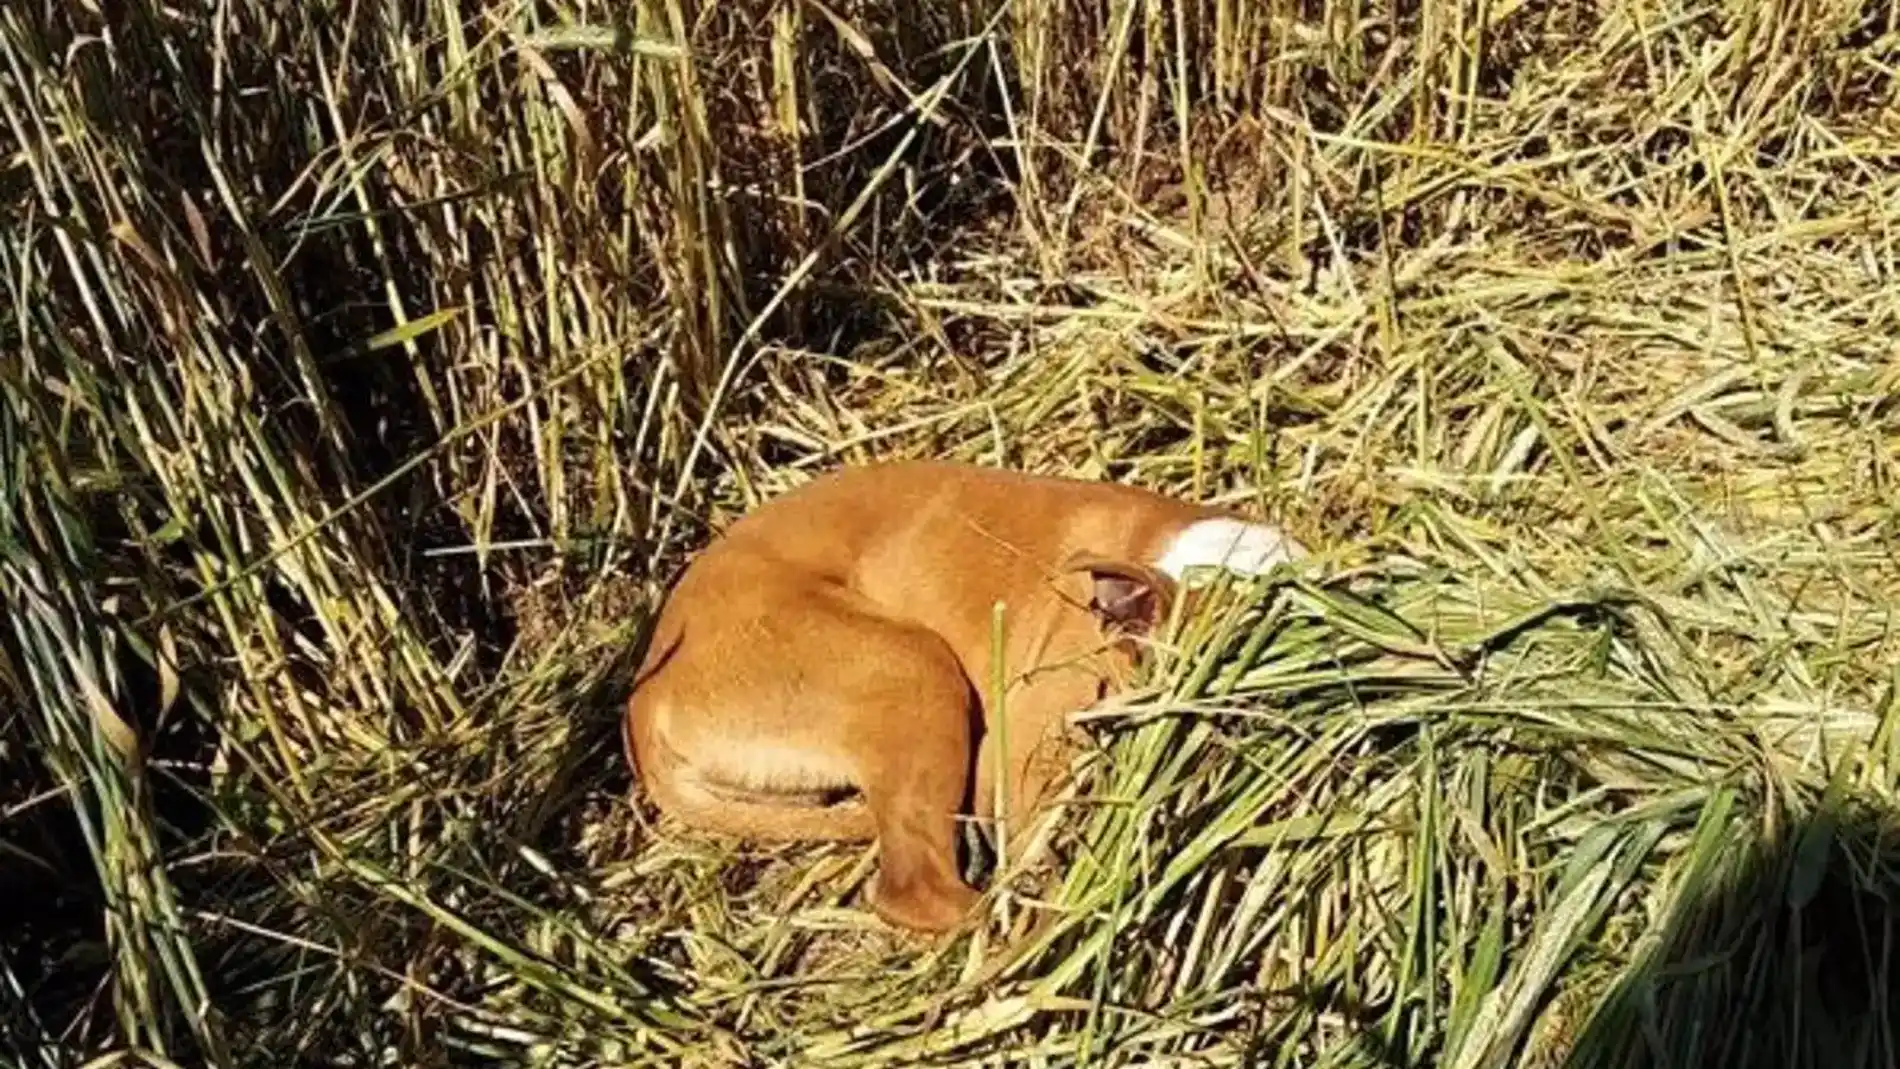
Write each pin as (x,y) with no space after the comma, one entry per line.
(1784,955)
(1789,961)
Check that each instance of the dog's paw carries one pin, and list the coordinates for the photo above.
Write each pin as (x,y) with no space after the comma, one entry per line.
(921,907)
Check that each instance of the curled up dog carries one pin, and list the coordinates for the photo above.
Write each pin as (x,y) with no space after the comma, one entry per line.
(820,672)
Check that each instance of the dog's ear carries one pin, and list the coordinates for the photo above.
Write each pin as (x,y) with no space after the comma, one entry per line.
(1129,598)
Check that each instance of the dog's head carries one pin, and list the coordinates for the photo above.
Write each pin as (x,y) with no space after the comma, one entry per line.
(1127,603)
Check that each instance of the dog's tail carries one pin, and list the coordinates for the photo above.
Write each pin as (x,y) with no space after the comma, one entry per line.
(667,636)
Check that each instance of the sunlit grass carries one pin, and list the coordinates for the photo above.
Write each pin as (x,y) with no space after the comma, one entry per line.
(367,371)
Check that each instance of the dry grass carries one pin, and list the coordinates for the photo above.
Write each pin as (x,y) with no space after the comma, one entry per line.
(368,369)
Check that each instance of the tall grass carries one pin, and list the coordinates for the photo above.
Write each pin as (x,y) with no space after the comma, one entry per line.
(368,369)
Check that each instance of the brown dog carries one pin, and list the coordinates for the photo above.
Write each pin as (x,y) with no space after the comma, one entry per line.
(838,642)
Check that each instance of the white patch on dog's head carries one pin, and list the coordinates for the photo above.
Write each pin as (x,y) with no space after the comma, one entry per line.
(1235,545)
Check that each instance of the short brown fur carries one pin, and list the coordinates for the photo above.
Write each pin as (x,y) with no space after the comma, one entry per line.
(838,640)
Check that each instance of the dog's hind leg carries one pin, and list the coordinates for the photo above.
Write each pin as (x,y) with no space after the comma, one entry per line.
(812,690)
(676,789)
